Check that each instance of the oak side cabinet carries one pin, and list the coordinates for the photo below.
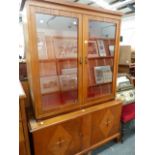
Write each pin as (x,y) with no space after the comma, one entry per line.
(24,145)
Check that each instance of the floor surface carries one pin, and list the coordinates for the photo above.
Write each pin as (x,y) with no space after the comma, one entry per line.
(113,148)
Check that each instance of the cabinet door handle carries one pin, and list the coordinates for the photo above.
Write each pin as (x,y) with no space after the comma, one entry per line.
(60,142)
(86,60)
(81,134)
(80,61)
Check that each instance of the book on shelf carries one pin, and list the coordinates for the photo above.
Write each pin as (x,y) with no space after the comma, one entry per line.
(47,69)
(69,71)
(65,47)
(92,48)
(111,49)
(103,74)
(101,48)
(50,47)
(49,84)
(41,43)
(68,82)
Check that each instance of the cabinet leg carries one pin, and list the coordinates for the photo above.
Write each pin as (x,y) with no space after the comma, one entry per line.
(89,153)
(118,139)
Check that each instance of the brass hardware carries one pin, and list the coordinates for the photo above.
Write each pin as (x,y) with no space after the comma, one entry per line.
(81,134)
(83,110)
(80,61)
(86,41)
(41,123)
(60,141)
(108,122)
(86,60)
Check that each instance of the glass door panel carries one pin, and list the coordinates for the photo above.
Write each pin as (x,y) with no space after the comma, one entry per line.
(100,58)
(58,55)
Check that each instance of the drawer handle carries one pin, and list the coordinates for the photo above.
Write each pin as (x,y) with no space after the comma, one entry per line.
(108,122)
(80,61)
(86,60)
(60,141)
(81,134)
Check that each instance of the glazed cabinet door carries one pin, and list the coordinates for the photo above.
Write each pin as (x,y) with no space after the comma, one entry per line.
(56,60)
(100,51)
(63,139)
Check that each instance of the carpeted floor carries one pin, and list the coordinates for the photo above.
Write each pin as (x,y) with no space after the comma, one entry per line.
(112,148)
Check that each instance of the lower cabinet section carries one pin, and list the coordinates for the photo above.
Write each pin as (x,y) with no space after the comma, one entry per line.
(62,139)
(79,133)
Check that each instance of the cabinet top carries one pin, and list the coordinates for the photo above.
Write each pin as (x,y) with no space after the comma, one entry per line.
(35,125)
(73,5)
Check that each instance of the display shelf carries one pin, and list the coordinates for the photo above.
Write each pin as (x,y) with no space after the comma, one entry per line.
(102,38)
(96,85)
(101,57)
(60,91)
(57,59)
(46,60)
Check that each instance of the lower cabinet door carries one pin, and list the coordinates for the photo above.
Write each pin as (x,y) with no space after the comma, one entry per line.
(86,132)
(105,123)
(62,139)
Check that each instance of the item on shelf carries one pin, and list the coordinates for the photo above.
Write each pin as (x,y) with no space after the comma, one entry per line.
(49,84)
(68,82)
(92,49)
(65,47)
(103,74)
(111,49)
(50,47)
(42,50)
(101,48)
(48,68)
(69,71)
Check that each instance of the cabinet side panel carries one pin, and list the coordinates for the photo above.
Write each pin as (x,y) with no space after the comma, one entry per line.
(31,58)
(27,48)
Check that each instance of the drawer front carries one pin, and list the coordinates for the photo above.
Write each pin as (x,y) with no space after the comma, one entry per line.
(62,139)
(105,123)
(22,147)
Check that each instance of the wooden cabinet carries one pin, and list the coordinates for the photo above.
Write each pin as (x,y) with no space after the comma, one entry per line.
(77,132)
(72,62)
(24,147)
(72,56)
